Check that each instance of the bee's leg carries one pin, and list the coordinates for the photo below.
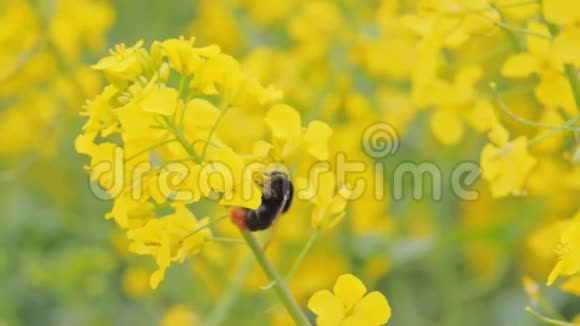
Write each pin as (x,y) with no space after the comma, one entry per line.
(288,197)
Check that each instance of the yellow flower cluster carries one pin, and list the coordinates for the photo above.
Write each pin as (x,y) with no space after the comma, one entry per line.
(162,112)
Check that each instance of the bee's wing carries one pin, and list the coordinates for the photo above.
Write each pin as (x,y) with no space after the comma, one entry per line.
(282,205)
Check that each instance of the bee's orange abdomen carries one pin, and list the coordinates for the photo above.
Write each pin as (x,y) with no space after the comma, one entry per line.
(238,216)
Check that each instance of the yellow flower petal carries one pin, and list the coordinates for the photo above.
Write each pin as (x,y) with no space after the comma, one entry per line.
(469,76)
(180,54)
(572,285)
(349,289)
(156,278)
(539,46)
(447,127)
(160,100)
(562,12)
(373,309)
(568,45)
(84,143)
(555,91)
(123,64)
(316,139)
(328,308)
(555,273)
(520,65)
(499,135)
(284,122)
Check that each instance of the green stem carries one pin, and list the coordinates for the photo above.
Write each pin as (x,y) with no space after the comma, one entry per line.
(150,148)
(547,320)
(205,226)
(204,141)
(179,91)
(572,75)
(511,35)
(189,97)
(280,287)
(303,254)
(518,29)
(548,308)
(570,123)
(212,131)
(181,139)
(521,120)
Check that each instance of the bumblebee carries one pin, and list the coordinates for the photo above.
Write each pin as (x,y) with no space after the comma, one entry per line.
(277,193)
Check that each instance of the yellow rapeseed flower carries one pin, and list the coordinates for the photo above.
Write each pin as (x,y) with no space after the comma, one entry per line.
(168,239)
(348,305)
(291,140)
(568,251)
(566,14)
(123,64)
(506,165)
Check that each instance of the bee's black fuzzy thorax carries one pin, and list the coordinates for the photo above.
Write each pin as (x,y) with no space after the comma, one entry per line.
(277,193)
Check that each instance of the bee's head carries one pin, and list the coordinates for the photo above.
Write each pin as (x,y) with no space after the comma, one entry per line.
(275,184)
